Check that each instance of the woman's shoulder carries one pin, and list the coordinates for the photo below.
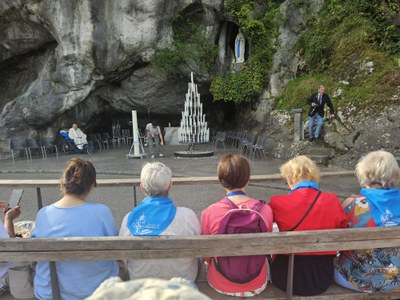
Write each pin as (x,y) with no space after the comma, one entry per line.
(185,212)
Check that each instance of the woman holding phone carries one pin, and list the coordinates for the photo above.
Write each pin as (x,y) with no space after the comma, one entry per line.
(7,231)
(73,216)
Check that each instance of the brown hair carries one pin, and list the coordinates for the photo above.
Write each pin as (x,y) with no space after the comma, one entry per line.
(233,171)
(79,176)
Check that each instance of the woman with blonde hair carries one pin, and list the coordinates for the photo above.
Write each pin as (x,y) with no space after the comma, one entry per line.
(73,216)
(377,205)
(305,208)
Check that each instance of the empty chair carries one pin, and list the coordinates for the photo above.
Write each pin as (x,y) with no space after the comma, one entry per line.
(126,134)
(117,137)
(107,138)
(259,147)
(47,144)
(96,141)
(246,142)
(103,140)
(31,144)
(219,138)
(17,145)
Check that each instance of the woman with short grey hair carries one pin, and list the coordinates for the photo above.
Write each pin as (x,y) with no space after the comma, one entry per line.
(155,179)
(158,215)
(378,205)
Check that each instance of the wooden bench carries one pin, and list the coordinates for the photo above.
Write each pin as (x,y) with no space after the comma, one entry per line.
(88,248)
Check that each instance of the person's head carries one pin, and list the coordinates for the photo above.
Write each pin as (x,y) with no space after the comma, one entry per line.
(155,179)
(74,125)
(78,178)
(154,123)
(233,171)
(298,169)
(321,89)
(378,169)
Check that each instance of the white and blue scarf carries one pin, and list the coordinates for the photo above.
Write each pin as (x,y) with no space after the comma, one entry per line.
(385,206)
(152,216)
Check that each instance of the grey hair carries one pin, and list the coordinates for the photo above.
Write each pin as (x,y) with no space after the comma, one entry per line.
(321,86)
(156,179)
(378,167)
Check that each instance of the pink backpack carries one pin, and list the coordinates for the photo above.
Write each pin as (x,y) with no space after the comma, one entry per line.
(243,219)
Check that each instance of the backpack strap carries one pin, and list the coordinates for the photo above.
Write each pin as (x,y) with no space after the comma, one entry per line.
(229,202)
(305,215)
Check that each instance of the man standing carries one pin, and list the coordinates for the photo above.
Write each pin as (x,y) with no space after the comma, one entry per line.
(78,136)
(317,102)
(154,138)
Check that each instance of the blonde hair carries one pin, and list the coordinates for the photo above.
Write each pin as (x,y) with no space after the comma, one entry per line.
(156,179)
(300,168)
(378,167)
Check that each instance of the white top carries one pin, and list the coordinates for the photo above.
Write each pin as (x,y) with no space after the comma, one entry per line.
(3,265)
(184,223)
(152,130)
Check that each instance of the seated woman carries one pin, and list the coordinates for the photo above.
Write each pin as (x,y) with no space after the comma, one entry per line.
(377,205)
(305,208)
(7,231)
(72,216)
(158,215)
(247,276)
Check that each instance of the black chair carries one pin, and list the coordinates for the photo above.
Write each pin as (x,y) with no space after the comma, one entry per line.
(32,144)
(17,145)
(47,144)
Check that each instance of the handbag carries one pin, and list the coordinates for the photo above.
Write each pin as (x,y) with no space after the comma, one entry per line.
(305,215)
(20,280)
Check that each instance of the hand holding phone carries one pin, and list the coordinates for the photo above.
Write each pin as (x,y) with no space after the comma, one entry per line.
(15,198)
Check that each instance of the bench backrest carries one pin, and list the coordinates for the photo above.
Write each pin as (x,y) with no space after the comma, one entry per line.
(86,248)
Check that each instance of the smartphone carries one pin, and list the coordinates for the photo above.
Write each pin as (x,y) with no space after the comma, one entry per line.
(15,198)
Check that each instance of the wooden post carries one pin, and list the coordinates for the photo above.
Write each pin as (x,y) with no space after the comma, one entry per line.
(134,196)
(298,127)
(55,288)
(39,198)
(289,283)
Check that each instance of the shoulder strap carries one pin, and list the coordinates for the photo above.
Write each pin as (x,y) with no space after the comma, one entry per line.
(305,215)
(229,202)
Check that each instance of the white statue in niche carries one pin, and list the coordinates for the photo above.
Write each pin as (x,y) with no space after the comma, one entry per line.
(240,42)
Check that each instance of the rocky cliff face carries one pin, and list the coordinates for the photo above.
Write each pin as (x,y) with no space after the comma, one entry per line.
(82,59)
(89,61)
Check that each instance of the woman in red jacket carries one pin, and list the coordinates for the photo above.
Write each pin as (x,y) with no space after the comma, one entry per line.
(305,208)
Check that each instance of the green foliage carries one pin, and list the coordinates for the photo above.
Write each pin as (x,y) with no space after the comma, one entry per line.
(365,23)
(190,46)
(261,32)
(339,41)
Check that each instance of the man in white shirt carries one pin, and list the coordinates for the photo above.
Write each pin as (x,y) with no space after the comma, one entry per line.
(78,136)
(154,139)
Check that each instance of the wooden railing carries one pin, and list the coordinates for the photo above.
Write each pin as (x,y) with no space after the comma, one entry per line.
(135,182)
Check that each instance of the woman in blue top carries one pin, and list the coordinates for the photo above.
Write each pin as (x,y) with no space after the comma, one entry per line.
(72,216)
